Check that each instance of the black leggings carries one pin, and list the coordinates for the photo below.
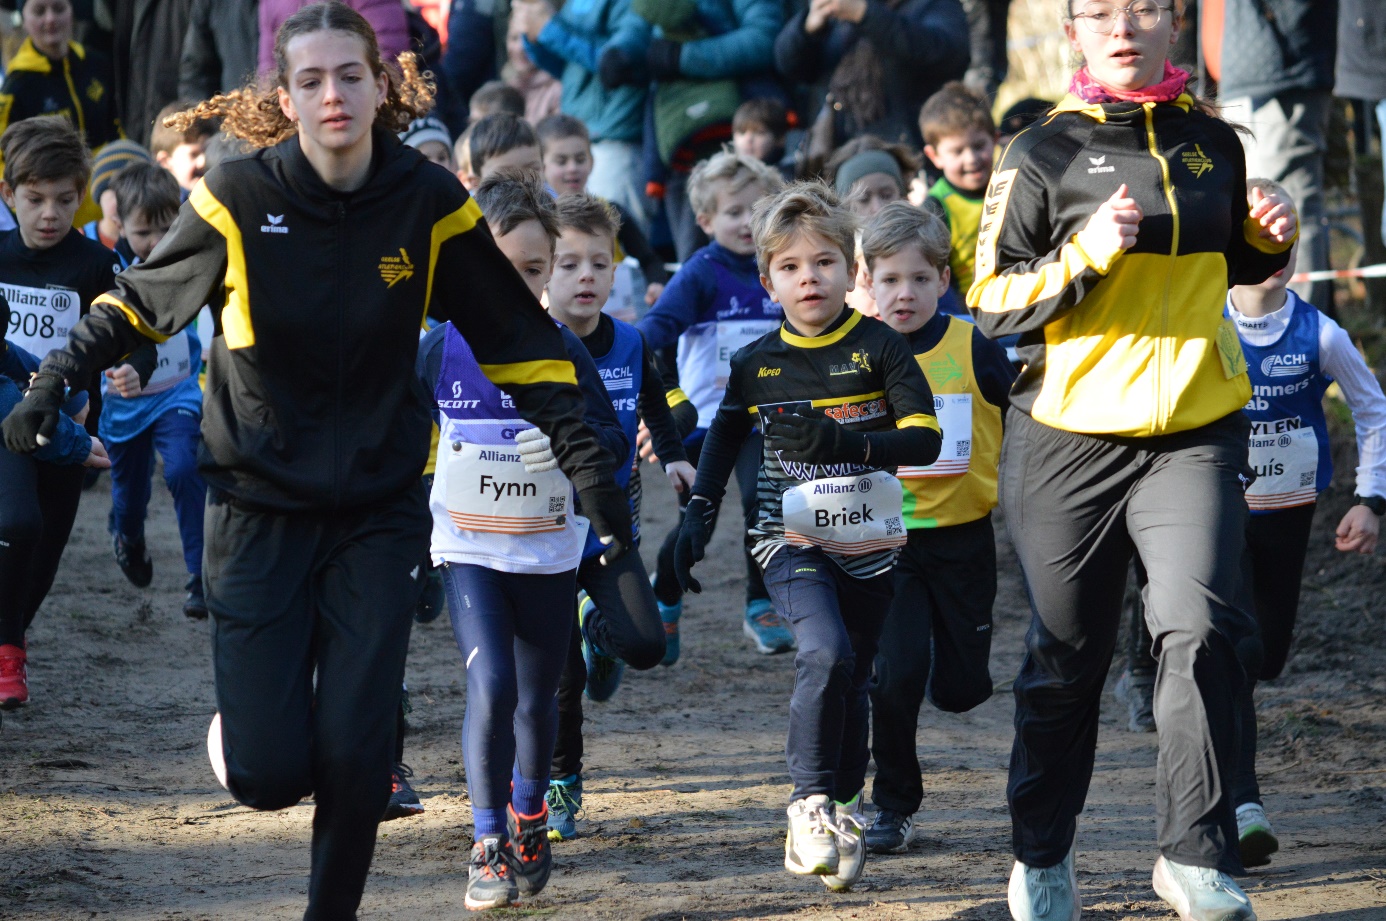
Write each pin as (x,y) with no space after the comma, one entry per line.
(38,503)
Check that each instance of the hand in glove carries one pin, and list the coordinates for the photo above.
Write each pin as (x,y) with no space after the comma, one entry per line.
(615,68)
(691,545)
(809,436)
(607,507)
(662,57)
(31,424)
(536,451)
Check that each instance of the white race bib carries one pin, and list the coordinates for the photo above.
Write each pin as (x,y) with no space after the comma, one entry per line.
(732,336)
(846,515)
(954,411)
(175,364)
(40,317)
(489,490)
(1287,469)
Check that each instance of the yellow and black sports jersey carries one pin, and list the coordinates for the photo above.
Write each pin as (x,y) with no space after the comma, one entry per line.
(311,402)
(1127,343)
(962,212)
(859,372)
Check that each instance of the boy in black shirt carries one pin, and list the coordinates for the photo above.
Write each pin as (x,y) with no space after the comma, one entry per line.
(842,402)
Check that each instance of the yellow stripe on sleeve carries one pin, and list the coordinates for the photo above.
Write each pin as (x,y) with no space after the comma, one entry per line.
(236,329)
(143,328)
(919,420)
(675,397)
(543,371)
(1021,290)
(454,224)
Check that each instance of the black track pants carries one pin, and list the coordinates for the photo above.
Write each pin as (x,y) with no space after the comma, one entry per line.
(38,503)
(310,625)
(1077,506)
(936,644)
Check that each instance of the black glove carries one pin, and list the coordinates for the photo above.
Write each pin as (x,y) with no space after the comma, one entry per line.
(662,57)
(615,68)
(810,437)
(607,507)
(691,545)
(32,422)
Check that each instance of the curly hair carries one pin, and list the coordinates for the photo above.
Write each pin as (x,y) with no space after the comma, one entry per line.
(252,113)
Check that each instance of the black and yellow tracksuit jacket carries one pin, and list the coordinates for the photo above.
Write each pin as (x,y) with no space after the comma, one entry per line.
(311,400)
(81,87)
(1123,343)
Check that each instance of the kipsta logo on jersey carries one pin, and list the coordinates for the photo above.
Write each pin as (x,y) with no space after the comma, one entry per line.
(275,225)
(1285,365)
(394,269)
(1197,161)
(1098,165)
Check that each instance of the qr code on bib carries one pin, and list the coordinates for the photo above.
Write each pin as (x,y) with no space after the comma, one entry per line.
(964,448)
(1306,479)
(557,504)
(893,527)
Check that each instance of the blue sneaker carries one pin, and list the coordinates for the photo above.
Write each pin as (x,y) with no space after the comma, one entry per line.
(564,801)
(766,628)
(670,614)
(603,671)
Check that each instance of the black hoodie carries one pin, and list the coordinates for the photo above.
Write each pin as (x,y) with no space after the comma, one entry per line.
(311,402)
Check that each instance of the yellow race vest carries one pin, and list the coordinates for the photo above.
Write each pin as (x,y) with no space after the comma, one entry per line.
(961,485)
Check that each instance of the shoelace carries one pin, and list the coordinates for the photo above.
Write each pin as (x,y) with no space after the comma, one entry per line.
(1042,882)
(529,841)
(491,862)
(846,828)
(558,799)
(400,774)
(1206,878)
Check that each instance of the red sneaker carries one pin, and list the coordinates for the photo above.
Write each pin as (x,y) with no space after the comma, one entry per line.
(14,677)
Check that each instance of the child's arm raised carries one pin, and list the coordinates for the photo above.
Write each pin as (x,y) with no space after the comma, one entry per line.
(1340,360)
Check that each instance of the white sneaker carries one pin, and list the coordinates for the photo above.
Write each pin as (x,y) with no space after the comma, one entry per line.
(214,752)
(1045,894)
(1200,893)
(810,847)
(1255,837)
(850,828)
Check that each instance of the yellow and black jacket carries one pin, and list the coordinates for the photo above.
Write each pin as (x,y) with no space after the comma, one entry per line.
(81,86)
(1131,343)
(311,400)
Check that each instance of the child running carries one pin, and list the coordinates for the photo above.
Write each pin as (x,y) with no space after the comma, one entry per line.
(618,620)
(937,637)
(713,306)
(37,504)
(508,540)
(165,415)
(842,402)
(1293,352)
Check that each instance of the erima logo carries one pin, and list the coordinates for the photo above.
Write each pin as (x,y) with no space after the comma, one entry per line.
(1098,167)
(275,225)
(1285,365)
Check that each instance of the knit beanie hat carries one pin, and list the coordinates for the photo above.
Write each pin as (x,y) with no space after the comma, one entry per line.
(113,158)
(864,164)
(423,130)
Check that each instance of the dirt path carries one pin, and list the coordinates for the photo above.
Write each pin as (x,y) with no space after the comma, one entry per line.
(108,807)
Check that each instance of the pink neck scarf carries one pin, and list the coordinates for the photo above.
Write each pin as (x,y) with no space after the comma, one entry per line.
(1167,90)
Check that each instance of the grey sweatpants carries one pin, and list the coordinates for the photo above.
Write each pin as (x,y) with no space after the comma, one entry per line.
(1077,506)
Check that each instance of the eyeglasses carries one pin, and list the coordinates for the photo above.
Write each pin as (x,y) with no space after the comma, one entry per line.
(1101,17)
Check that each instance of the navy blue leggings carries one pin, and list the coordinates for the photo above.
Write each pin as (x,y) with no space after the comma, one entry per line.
(175,435)
(837,622)
(507,625)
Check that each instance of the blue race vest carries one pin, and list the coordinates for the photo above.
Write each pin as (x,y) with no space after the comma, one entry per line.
(622,371)
(1289,447)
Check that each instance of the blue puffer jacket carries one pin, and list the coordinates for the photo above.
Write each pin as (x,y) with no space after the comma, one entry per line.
(742,42)
(569,48)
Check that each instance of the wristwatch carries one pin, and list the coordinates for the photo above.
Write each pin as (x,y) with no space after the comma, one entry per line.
(1376,503)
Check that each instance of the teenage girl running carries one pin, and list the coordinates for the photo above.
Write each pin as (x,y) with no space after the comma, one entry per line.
(333,233)
(1111,230)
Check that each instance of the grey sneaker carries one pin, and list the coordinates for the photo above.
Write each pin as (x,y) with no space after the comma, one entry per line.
(490,878)
(890,833)
(810,846)
(1138,693)
(1045,894)
(849,827)
(1255,836)
(1200,893)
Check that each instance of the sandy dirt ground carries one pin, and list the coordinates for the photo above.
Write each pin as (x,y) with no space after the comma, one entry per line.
(108,807)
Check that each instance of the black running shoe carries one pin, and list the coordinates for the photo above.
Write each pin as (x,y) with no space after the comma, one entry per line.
(890,833)
(404,802)
(133,559)
(491,878)
(195,605)
(531,855)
